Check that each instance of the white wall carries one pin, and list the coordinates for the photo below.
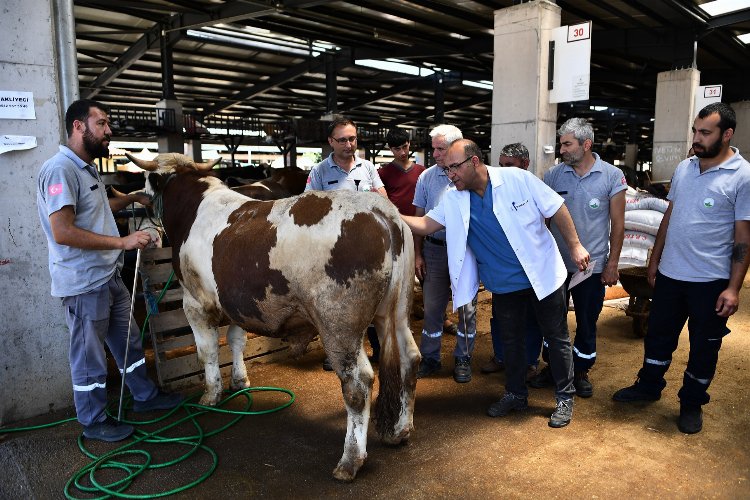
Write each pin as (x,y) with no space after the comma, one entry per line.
(34,374)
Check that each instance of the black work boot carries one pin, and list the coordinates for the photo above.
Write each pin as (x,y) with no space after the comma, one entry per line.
(583,387)
(691,418)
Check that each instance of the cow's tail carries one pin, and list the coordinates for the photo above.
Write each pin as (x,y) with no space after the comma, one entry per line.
(399,356)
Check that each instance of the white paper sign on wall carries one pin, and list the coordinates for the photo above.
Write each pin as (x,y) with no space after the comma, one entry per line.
(570,63)
(16,105)
(705,95)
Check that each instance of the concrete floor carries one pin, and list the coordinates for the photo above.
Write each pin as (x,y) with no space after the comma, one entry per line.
(609,450)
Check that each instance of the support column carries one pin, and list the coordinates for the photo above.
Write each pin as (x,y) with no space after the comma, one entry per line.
(741,139)
(194,149)
(171,121)
(675,113)
(520,101)
(35,376)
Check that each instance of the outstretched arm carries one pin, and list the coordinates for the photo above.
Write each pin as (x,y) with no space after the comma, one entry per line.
(729,299)
(65,232)
(422,226)
(564,223)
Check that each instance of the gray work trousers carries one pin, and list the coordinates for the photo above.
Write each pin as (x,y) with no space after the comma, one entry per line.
(436,289)
(95,318)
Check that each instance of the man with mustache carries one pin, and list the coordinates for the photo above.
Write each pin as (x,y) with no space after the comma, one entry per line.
(85,259)
(495,231)
(698,263)
(594,192)
(343,169)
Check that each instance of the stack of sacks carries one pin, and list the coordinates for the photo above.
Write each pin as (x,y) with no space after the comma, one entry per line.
(643,214)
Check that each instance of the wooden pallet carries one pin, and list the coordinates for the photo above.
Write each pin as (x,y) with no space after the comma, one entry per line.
(177,364)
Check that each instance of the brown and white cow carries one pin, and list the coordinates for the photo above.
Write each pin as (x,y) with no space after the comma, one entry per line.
(326,262)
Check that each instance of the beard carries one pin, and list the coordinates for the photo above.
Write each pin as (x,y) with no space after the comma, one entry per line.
(712,151)
(573,158)
(94,147)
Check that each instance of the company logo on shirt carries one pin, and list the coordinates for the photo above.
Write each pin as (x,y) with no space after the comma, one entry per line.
(594,203)
(708,202)
(55,189)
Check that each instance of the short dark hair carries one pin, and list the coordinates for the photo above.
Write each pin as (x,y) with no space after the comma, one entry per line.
(79,110)
(515,150)
(396,137)
(727,117)
(471,149)
(339,121)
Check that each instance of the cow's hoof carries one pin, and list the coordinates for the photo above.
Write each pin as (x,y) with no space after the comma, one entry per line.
(397,439)
(209,400)
(346,470)
(238,385)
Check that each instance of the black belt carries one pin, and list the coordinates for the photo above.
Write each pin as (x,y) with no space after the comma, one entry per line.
(435,241)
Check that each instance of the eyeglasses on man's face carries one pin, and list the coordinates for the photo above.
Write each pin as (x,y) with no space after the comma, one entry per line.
(344,140)
(452,169)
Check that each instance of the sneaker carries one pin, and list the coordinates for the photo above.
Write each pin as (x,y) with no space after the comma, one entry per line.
(162,401)
(691,418)
(492,366)
(542,379)
(462,371)
(427,367)
(510,402)
(327,366)
(634,393)
(583,387)
(108,429)
(563,413)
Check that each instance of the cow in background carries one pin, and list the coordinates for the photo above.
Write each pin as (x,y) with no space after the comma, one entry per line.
(283,183)
(325,262)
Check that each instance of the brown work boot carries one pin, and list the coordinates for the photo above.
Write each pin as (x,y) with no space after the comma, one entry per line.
(492,366)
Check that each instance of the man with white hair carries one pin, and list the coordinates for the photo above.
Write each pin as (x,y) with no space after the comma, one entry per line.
(431,263)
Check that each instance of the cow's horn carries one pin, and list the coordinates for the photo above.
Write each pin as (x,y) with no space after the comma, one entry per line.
(207,165)
(150,165)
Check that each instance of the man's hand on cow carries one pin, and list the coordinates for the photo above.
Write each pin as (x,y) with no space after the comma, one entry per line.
(580,256)
(420,267)
(727,303)
(136,241)
(141,198)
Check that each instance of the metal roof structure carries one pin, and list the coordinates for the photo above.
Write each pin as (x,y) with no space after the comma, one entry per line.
(274,61)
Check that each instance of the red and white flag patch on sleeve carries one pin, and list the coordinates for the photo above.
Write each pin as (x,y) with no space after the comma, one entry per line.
(55,189)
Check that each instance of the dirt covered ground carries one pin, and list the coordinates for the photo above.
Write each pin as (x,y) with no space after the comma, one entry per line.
(609,451)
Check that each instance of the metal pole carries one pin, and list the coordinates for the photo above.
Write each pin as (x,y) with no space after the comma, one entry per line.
(65,42)
(130,323)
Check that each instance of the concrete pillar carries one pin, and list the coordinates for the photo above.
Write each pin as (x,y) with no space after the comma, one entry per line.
(34,372)
(170,141)
(520,102)
(741,139)
(675,91)
(193,149)
(631,155)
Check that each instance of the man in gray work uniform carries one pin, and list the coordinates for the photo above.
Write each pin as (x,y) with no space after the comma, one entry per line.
(85,258)
(431,262)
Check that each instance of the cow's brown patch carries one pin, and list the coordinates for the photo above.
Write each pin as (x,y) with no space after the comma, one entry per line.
(241,262)
(182,195)
(397,234)
(309,210)
(361,248)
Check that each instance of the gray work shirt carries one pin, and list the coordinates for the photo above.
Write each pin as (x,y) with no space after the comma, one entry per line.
(65,179)
(587,199)
(327,176)
(431,185)
(705,206)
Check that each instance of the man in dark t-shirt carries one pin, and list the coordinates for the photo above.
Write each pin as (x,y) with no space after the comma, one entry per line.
(400,176)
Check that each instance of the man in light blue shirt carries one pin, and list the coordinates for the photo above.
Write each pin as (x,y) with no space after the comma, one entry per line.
(699,261)
(496,232)
(85,257)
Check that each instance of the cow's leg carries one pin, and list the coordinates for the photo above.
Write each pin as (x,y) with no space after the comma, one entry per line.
(207,344)
(237,339)
(356,375)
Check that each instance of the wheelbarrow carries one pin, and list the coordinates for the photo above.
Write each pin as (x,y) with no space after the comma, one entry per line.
(634,280)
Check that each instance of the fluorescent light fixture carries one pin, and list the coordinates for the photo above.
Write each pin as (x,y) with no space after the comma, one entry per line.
(744,38)
(599,108)
(481,84)
(394,66)
(255,43)
(719,7)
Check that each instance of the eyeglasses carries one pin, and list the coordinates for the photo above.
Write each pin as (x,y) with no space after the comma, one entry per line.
(344,140)
(454,168)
